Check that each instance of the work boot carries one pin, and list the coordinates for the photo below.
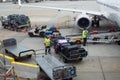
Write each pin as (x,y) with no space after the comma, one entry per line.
(49,52)
(45,53)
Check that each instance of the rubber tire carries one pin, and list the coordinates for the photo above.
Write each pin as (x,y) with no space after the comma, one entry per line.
(56,51)
(30,34)
(71,79)
(98,24)
(65,60)
(41,34)
(68,79)
(80,59)
(6,51)
(118,42)
(5,27)
(29,56)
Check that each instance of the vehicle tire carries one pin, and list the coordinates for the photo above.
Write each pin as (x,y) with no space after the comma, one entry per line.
(6,51)
(98,23)
(93,23)
(5,27)
(68,79)
(30,34)
(65,60)
(118,42)
(40,69)
(16,59)
(42,34)
(80,59)
(29,56)
(56,50)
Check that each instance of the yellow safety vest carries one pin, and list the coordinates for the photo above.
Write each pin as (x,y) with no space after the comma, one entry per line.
(47,42)
(84,34)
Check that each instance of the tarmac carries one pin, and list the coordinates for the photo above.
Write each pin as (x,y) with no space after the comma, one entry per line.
(102,62)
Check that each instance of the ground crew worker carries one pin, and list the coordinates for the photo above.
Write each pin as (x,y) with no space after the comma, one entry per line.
(84,36)
(47,44)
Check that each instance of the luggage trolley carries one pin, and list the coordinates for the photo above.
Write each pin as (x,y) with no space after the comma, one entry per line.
(54,69)
(15,50)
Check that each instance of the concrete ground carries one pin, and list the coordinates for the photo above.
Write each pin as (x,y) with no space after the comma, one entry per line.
(102,62)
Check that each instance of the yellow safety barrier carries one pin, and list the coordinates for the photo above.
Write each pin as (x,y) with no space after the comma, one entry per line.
(19,63)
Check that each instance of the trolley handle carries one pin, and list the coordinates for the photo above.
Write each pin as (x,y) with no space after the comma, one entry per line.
(27,51)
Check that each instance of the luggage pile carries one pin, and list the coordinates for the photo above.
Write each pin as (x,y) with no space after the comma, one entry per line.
(15,22)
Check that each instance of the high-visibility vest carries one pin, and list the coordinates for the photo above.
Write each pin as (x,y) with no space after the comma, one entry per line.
(84,34)
(47,42)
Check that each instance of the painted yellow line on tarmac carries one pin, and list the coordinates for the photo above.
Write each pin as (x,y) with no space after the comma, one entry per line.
(7,57)
(25,64)
(19,63)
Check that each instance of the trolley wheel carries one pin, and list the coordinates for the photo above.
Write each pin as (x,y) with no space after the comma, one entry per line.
(71,79)
(16,59)
(6,51)
(5,27)
(30,34)
(29,56)
(80,59)
(68,79)
(98,23)
(65,60)
(41,34)
(118,42)
(56,51)
(40,69)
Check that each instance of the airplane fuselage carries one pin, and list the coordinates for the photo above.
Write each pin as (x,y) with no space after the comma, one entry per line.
(111,10)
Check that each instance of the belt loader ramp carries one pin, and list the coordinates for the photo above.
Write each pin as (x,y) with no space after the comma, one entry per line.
(98,37)
(55,69)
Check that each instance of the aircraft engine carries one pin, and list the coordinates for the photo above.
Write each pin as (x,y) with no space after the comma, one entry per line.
(83,21)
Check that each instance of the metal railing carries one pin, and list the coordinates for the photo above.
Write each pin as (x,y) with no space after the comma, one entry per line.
(7,72)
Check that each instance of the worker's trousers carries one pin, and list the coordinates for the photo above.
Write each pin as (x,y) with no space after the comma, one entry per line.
(84,41)
(47,49)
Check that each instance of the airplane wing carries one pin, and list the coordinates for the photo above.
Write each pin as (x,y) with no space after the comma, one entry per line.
(63,9)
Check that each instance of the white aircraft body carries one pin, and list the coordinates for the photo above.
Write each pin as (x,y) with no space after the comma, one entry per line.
(110,10)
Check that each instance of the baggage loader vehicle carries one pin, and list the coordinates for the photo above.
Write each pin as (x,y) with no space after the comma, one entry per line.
(98,37)
(16,22)
(70,51)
